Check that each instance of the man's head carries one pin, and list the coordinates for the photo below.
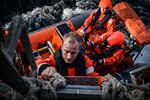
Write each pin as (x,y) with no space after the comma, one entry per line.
(70,47)
(105,5)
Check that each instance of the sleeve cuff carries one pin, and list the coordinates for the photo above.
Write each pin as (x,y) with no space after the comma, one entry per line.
(41,67)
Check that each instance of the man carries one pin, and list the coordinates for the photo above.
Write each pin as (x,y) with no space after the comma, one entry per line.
(111,48)
(96,17)
(68,61)
(112,53)
(91,24)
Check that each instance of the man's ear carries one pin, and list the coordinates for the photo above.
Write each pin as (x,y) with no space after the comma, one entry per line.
(61,47)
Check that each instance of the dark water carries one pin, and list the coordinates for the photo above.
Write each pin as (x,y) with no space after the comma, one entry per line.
(41,13)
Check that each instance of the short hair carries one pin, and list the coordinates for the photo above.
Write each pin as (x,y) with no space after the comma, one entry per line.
(73,37)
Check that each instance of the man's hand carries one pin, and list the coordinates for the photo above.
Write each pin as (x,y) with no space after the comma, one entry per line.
(57,80)
(48,72)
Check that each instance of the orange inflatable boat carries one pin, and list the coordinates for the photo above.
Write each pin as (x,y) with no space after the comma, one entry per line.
(49,39)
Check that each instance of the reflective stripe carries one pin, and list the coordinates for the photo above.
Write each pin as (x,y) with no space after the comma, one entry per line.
(104,61)
(102,37)
(40,66)
(89,70)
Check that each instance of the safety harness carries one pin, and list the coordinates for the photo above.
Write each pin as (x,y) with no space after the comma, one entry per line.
(95,17)
(98,25)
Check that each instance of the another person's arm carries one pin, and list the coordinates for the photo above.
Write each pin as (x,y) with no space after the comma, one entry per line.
(110,26)
(88,20)
(111,59)
(87,25)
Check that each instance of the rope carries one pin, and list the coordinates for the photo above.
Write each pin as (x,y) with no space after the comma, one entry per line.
(57,80)
(42,90)
(112,89)
(39,90)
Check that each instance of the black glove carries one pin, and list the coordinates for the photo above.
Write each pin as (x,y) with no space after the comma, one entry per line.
(103,44)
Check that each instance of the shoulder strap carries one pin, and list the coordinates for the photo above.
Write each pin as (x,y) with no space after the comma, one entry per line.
(60,64)
(95,17)
(103,21)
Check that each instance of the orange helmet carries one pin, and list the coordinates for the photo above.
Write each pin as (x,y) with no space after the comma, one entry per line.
(116,38)
(105,4)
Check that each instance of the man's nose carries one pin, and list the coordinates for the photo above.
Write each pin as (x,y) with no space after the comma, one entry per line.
(69,56)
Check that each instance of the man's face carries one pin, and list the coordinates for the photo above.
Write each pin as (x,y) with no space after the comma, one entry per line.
(70,51)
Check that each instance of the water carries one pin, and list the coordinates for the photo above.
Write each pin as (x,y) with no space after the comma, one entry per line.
(41,13)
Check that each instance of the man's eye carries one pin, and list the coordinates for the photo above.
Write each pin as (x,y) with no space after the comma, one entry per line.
(72,53)
(67,51)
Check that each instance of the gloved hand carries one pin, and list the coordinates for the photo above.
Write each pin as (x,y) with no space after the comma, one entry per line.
(103,44)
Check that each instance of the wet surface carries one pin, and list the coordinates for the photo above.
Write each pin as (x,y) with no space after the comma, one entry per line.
(144,57)
(41,13)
